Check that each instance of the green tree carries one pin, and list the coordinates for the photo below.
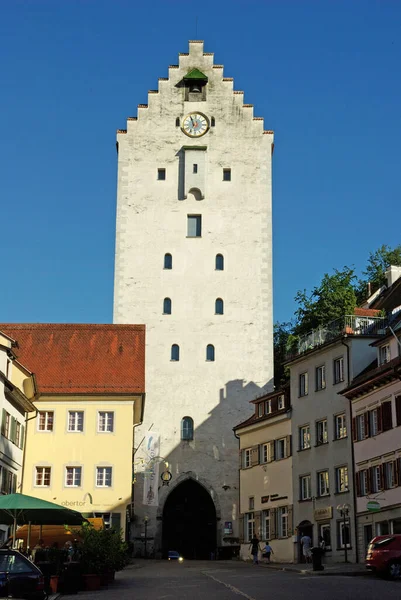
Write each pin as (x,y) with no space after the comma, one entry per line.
(332,299)
(376,267)
(282,339)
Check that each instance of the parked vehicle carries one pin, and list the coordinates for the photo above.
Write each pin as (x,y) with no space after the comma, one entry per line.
(19,577)
(174,555)
(384,555)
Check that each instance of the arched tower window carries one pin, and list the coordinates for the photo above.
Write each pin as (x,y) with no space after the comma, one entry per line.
(168,261)
(210,352)
(219,306)
(187,428)
(175,352)
(219,262)
(167,306)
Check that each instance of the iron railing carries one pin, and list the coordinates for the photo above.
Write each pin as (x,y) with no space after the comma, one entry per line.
(349,324)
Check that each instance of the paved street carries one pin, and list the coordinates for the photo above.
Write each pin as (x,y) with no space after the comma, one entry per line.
(158,580)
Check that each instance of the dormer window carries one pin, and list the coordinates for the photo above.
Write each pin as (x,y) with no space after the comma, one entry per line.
(384,354)
(280,403)
(268,407)
(260,409)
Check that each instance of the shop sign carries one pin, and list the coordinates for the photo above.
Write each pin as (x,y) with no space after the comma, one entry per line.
(228,527)
(373,506)
(322,514)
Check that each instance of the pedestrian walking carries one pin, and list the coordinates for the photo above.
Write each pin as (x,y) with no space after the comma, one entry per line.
(306,543)
(255,548)
(267,552)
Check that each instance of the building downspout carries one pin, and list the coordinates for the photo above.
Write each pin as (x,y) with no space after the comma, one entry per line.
(352,456)
(24,451)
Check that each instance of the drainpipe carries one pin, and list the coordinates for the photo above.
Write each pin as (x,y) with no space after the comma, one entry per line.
(352,456)
(25,440)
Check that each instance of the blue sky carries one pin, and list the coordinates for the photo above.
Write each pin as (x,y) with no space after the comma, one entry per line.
(325,75)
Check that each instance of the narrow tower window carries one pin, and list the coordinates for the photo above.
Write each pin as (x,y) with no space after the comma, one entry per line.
(219,262)
(226,174)
(194,226)
(195,168)
(175,352)
(187,429)
(168,261)
(219,306)
(161,174)
(177,122)
(167,306)
(210,353)
(212,122)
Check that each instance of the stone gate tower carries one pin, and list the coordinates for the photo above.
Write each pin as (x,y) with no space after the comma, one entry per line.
(194,264)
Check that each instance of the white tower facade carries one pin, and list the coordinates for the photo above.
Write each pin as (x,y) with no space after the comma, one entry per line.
(194,264)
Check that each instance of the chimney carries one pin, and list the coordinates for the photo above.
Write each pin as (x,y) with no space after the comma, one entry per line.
(392,274)
(369,289)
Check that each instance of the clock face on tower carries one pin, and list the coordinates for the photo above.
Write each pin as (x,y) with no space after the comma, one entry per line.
(195,124)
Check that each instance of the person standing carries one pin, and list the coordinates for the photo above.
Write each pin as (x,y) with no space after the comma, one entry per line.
(306,543)
(254,548)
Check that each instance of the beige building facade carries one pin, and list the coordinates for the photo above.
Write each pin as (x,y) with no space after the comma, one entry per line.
(266,497)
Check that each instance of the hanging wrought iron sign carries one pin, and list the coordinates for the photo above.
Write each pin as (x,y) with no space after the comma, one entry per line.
(166,477)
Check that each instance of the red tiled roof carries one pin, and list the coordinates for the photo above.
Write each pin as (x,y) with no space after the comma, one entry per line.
(82,359)
(366,312)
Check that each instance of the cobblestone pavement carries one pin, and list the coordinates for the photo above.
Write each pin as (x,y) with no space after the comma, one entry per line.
(196,580)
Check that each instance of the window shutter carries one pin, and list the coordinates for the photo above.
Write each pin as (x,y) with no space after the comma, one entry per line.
(274,404)
(4,480)
(13,429)
(22,437)
(369,478)
(354,430)
(241,529)
(3,422)
(257,524)
(273,529)
(116,521)
(398,471)
(398,409)
(380,419)
(254,455)
(288,448)
(290,521)
(387,416)
(367,428)
(272,451)
(358,483)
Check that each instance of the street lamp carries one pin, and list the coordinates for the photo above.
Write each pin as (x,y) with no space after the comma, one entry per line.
(145,520)
(344,510)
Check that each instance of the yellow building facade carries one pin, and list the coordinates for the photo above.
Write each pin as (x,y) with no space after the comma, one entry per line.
(79,446)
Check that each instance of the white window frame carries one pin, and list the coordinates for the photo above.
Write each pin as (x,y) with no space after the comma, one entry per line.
(341,425)
(268,407)
(360,427)
(340,526)
(281,402)
(384,353)
(338,370)
(107,413)
(41,473)
(266,526)
(280,443)
(247,462)
(260,409)
(75,421)
(389,472)
(304,437)
(342,481)
(102,470)
(323,483)
(322,433)
(265,453)
(373,422)
(322,527)
(303,384)
(47,421)
(376,479)
(75,470)
(282,521)
(320,377)
(306,487)
(363,481)
(251,503)
(249,526)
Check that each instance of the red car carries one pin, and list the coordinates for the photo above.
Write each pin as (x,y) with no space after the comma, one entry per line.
(384,555)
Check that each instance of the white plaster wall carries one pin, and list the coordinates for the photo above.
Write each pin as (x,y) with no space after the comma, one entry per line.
(236,215)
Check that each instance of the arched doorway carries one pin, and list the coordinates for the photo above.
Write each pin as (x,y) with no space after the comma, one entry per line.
(189,521)
(304,528)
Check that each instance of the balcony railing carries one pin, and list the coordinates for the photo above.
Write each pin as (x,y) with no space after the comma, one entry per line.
(349,324)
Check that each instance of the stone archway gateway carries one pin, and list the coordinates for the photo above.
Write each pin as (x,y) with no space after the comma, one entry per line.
(189,521)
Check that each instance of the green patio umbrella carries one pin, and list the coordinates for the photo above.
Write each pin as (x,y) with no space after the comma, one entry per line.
(18,509)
